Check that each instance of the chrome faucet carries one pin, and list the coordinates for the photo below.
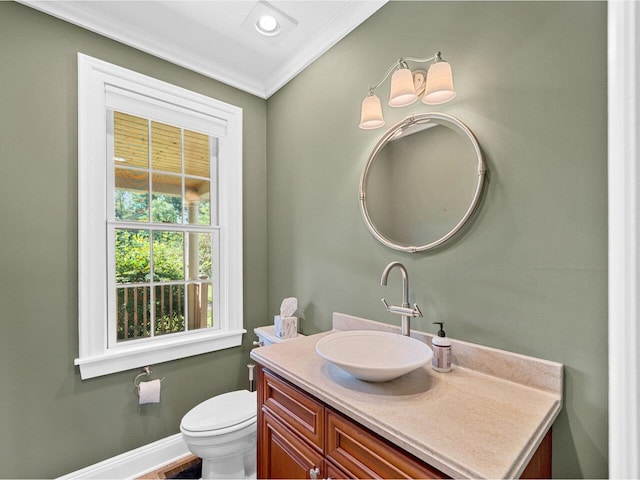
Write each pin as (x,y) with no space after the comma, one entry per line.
(406,311)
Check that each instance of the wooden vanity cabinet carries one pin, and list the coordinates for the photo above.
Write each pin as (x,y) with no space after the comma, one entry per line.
(300,437)
(290,430)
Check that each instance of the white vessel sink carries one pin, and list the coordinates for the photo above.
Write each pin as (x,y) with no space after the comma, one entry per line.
(374,356)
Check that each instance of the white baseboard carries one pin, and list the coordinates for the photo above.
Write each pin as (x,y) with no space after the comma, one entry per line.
(135,463)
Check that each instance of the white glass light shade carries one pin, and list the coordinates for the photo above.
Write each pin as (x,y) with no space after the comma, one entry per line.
(402,92)
(439,88)
(371,113)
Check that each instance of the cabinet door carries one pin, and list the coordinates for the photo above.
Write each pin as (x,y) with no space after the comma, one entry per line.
(282,454)
(301,412)
(335,473)
(365,455)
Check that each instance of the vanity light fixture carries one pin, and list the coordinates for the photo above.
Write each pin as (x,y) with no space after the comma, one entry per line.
(435,86)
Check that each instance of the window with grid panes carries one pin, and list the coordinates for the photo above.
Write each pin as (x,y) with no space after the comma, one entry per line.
(160,198)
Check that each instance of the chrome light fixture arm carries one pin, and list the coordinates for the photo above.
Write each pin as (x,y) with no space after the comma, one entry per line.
(402,63)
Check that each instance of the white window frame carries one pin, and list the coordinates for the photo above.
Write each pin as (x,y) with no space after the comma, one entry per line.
(97,82)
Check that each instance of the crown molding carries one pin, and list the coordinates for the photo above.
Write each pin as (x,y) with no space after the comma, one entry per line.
(340,26)
(263,86)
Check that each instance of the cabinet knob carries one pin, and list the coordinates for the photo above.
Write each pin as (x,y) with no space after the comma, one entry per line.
(314,473)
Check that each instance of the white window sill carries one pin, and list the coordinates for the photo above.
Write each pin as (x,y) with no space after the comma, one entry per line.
(130,356)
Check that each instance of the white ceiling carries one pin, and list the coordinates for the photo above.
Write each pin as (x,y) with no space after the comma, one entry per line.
(209,38)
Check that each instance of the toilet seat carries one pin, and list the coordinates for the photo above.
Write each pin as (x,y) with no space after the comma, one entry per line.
(222,414)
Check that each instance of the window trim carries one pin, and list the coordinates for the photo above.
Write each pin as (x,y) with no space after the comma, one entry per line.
(95,79)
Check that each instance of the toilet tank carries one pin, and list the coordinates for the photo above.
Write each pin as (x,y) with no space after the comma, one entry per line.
(266,335)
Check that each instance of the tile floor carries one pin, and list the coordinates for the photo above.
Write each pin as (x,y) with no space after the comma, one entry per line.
(172,470)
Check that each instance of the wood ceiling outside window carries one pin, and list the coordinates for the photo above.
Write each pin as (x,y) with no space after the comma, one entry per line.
(131,149)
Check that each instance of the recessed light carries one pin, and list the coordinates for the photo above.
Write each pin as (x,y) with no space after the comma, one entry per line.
(268,25)
(272,24)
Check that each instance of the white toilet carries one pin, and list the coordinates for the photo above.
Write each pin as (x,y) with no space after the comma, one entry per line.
(223,432)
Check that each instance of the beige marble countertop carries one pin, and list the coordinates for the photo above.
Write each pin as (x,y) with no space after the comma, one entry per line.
(484,419)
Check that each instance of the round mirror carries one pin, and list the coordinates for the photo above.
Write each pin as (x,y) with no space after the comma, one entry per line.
(422,182)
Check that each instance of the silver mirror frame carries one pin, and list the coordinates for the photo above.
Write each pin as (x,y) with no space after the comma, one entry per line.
(410,121)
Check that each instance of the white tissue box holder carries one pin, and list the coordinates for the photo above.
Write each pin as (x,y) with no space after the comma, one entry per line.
(285,327)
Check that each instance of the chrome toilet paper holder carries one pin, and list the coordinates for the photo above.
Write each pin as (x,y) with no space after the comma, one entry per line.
(146,371)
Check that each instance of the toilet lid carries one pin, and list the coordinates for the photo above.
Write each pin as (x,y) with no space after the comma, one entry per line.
(221,411)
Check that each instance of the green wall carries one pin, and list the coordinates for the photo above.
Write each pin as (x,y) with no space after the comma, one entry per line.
(530,273)
(52,422)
